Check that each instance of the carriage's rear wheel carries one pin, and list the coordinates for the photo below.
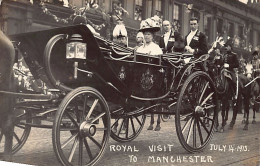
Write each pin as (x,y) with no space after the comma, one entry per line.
(125,129)
(21,130)
(81,128)
(196,112)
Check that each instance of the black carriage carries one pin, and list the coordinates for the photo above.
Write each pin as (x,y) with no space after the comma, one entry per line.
(93,85)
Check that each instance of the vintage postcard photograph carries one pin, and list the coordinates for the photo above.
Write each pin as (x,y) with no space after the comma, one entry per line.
(130,82)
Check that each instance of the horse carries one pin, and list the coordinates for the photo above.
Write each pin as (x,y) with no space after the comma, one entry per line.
(255,90)
(223,82)
(158,126)
(161,111)
(7,58)
(243,95)
(218,74)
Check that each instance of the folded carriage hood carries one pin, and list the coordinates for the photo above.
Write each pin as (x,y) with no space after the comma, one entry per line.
(33,44)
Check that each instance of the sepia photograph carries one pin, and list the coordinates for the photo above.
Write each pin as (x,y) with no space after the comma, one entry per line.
(130,82)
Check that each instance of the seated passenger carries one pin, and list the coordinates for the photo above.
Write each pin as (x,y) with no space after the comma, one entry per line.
(139,40)
(169,38)
(149,27)
(120,34)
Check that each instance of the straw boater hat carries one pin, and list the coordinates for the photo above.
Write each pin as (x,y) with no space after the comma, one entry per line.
(150,24)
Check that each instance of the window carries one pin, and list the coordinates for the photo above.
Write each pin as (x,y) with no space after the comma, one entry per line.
(207,23)
(251,39)
(258,39)
(219,27)
(138,10)
(242,42)
(195,13)
(176,17)
(158,8)
(231,29)
(240,31)
(118,8)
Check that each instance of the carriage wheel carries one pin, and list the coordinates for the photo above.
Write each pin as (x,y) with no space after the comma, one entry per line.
(81,128)
(125,129)
(196,112)
(21,130)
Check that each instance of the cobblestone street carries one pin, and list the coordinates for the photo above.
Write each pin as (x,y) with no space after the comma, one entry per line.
(235,147)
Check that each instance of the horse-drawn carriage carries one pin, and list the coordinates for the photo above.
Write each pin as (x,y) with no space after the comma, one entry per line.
(92,85)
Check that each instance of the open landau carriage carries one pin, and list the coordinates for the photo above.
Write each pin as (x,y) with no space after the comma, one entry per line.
(94,85)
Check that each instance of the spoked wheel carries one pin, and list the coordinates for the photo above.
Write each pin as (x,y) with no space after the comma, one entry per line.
(81,128)
(196,112)
(126,128)
(21,130)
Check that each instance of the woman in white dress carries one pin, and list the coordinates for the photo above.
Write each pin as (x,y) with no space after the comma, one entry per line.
(149,27)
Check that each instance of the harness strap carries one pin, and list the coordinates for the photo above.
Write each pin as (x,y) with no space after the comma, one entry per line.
(236,86)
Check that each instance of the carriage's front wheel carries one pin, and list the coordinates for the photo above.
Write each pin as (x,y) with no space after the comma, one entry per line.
(196,112)
(81,128)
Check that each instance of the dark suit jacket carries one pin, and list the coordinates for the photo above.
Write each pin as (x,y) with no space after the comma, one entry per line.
(198,43)
(174,36)
(231,58)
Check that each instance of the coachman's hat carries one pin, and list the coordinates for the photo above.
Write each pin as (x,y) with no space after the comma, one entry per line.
(229,42)
(255,53)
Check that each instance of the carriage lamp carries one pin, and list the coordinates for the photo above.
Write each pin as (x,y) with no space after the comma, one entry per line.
(76,50)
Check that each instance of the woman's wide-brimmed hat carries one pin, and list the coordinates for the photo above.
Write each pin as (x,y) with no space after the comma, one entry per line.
(150,24)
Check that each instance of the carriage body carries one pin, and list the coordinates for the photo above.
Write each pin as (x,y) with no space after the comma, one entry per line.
(94,85)
(136,76)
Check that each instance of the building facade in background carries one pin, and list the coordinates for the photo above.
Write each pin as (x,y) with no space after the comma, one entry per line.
(229,18)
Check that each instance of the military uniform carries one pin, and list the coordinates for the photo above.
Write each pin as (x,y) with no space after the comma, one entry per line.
(198,43)
(231,59)
(169,46)
(256,67)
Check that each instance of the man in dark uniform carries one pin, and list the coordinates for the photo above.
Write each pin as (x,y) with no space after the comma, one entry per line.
(195,41)
(256,68)
(231,61)
(167,40)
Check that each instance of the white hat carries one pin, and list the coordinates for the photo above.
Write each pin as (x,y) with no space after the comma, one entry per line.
(140,34)
(119,31)
(150,24)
